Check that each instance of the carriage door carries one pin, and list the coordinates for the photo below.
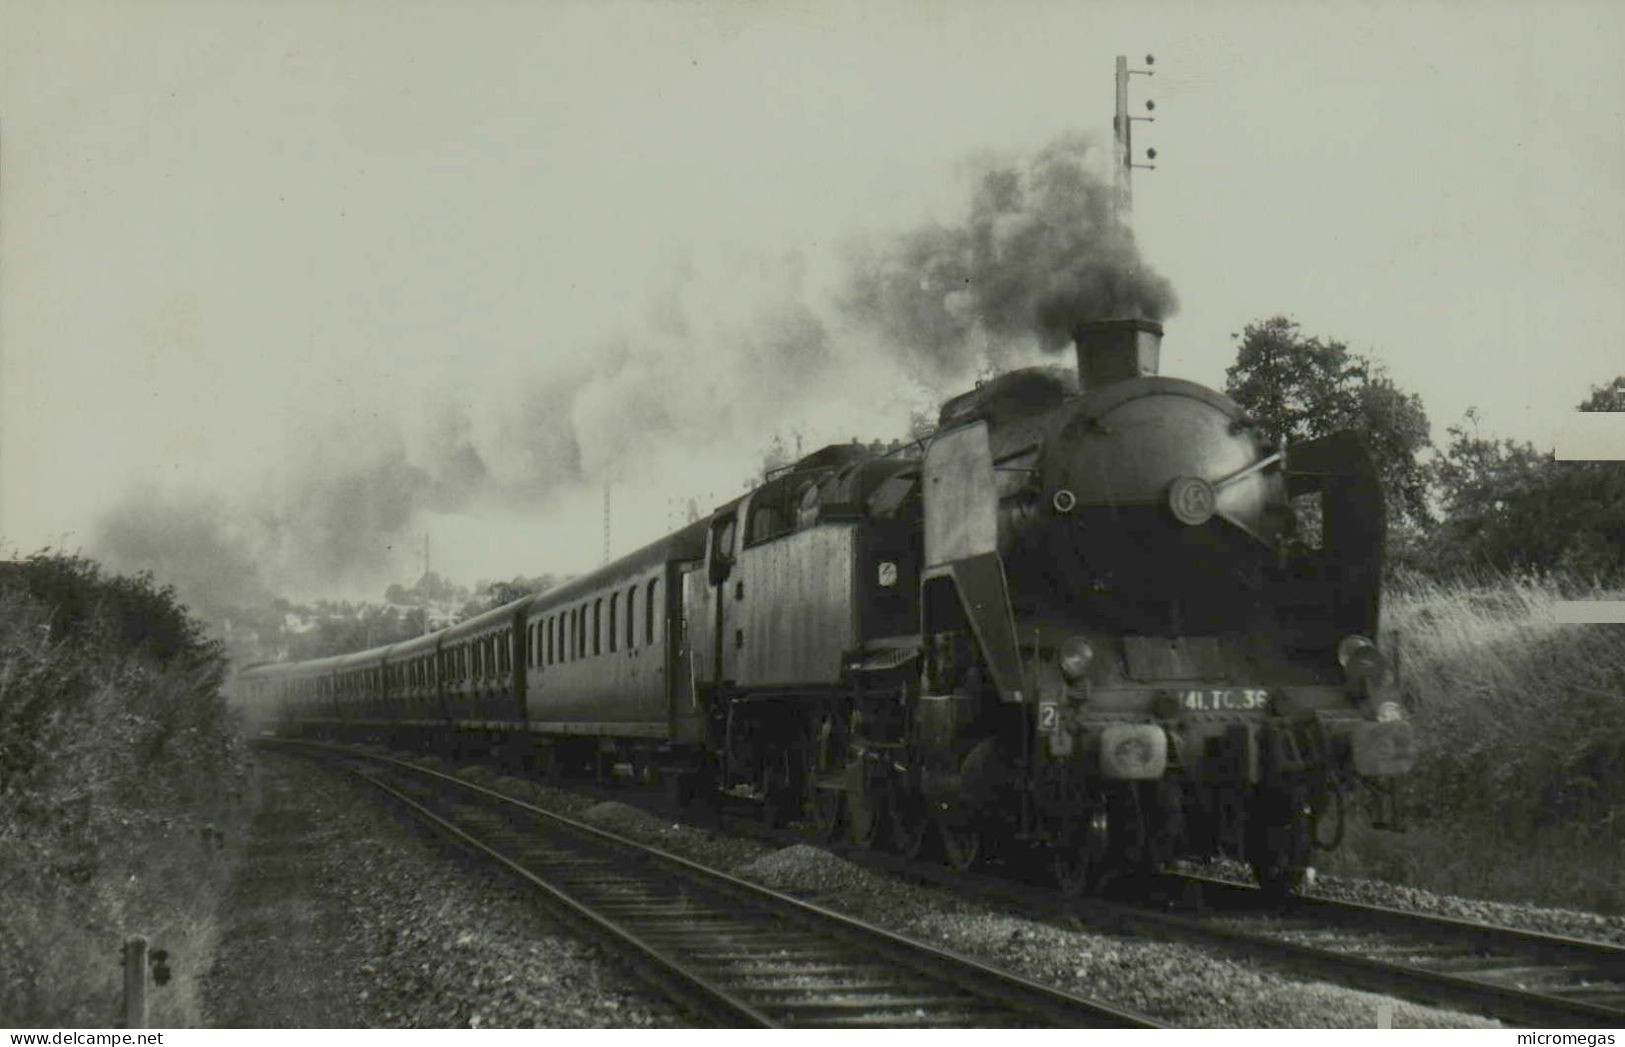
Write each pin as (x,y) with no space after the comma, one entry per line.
(722,564)
(687,720)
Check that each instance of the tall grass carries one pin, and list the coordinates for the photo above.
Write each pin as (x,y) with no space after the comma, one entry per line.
(1520,789)
(119,771)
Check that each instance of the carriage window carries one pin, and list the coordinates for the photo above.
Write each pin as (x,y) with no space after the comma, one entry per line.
(614,602)
(649,611)
(631,615)
(597,622)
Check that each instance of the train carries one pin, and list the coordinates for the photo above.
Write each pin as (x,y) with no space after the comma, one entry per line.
(1095,619)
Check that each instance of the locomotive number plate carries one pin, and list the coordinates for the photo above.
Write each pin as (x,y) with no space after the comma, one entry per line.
(1224,699)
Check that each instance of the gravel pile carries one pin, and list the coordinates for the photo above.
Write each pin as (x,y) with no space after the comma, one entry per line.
(1568,922)
(346,916)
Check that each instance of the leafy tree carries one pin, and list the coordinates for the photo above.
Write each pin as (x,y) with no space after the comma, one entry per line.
(1513,507)
(131,610)
(1610,397)
(429,589)
(490,595)
(1299,388)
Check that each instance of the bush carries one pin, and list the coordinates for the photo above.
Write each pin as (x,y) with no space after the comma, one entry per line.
(115,754)
(1522,728)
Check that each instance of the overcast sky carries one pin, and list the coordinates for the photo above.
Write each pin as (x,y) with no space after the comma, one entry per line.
(254,256)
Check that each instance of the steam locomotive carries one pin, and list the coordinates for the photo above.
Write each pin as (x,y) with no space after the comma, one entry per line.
(1095,618)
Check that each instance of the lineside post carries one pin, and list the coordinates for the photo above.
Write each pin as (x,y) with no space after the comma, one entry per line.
(135,983)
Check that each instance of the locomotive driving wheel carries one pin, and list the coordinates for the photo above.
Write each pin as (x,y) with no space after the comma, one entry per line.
(1278,843)
(866,817)
(961,846)
(829,808)
(910,825)
(1079,856)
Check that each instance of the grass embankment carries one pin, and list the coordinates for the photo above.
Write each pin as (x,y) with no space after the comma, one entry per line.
(120,779)
(1520,790)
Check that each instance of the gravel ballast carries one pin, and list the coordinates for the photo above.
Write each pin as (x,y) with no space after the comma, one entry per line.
(422,939)
(1570,923)
(343,916)
(1567,922)
(1173,983)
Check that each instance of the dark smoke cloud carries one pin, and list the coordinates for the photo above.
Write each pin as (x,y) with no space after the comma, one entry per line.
(197,544)
(719,357)
(1040,251)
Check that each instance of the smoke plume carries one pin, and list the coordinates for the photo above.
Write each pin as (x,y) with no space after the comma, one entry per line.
(1040,251)
(719,357)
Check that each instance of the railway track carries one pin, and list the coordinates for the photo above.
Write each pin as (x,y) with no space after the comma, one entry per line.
(730,951)
(1517,976)
(1522,977)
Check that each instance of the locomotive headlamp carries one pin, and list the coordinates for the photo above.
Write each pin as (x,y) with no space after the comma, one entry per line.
(1133,751)
(1076,656)
(1388,711)
(1361,659)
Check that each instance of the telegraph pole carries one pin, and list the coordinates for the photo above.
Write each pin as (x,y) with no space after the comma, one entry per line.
(1123,128)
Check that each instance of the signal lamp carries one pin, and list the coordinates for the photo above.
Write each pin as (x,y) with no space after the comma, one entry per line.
(1076,656)
(1361,659)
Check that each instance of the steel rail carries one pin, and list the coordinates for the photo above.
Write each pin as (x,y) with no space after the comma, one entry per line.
(712,998)
(992,990)
(1556,954)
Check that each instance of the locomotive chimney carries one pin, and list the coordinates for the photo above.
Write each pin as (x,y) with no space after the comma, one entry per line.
(1116,350)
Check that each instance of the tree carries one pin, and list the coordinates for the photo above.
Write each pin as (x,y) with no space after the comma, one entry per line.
(1512,507)
(490,595)
(1299,388)
(1610,397)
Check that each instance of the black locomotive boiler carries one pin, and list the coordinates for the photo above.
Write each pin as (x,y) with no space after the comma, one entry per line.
(1097,618)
